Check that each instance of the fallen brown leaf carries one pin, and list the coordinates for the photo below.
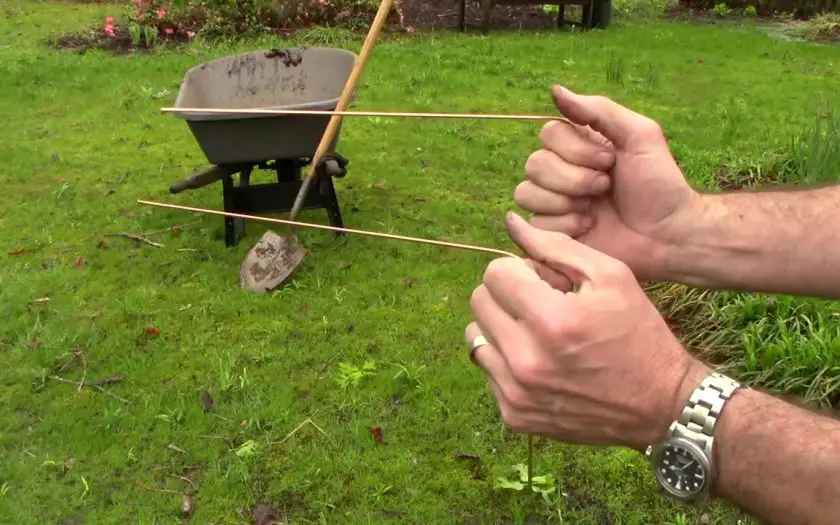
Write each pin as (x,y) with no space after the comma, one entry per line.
(19,251)
(187,506)
(264,515)
(377,434)
(151,331)
(176,230)
(408,283)
(206,401)
(103,244)
(79,262)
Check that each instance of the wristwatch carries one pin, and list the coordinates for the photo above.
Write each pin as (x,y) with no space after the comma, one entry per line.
(682,464)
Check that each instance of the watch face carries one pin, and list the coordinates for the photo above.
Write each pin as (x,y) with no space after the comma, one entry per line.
(681,470)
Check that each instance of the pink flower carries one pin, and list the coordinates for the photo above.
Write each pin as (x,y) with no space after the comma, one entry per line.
(109,20)
(139,3)
(190,34)
(109,30)
(161,13)
(169,31)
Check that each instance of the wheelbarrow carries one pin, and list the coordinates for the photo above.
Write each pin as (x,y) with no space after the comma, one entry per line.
(296,78)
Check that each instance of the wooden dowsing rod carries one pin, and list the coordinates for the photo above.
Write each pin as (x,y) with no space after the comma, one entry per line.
(420,240)
(354,113)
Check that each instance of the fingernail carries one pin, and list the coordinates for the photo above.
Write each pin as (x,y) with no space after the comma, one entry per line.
(601,183)
(514,218)
(605,158)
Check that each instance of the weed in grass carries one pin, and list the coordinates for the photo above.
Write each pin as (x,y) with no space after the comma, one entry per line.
(650,76)
(350,375)
(615,69)
(815,153)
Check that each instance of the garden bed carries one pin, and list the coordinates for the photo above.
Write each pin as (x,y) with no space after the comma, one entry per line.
(142,25)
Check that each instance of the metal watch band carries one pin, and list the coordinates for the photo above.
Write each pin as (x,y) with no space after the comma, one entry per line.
(701,412)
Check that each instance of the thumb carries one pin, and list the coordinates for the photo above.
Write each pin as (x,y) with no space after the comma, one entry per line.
(557,251)
(623,127)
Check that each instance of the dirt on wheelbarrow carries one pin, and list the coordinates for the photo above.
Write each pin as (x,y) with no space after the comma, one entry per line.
(420,15)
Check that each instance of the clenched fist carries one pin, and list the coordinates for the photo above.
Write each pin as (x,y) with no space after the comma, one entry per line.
(608,179)
(577,352)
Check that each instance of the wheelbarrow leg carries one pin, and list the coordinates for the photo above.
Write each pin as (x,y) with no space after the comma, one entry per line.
(234,227)
(332,166)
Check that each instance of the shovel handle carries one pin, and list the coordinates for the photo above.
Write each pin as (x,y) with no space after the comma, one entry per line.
(343,101)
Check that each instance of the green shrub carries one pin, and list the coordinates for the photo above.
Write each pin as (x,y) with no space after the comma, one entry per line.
(795,9)
(643,9)
(722,10)
(824,27)
(750,10)
(146,21)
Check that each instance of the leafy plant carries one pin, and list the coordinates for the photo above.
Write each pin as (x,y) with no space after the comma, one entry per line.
(351,375)
(722,10)
(248,448)
(750,10)
(409,376)
(544,484)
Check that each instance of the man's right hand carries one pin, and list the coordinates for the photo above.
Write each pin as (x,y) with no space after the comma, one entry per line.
(610,181)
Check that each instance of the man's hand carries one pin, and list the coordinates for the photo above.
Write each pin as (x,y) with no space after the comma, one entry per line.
(608,180)
(596,366)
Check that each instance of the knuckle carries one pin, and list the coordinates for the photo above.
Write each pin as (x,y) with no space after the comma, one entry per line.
(511,418)
(548,130)
(535,161)
(601,101)
(522,194)
(560,328)
(517,399)
(526,369)
(582,182)
(650,129)
(476,298)
(615,270)
(495,270)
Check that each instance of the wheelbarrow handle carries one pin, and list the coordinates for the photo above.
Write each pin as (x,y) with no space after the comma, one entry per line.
(201,179)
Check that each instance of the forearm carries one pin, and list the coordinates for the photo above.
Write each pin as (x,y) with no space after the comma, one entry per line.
(779,462)
(771,241)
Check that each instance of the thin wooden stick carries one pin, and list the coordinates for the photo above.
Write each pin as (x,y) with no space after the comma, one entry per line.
(444,244)
(343,102)
(355,113)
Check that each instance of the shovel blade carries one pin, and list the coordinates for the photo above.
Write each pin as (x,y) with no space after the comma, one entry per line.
(270,262)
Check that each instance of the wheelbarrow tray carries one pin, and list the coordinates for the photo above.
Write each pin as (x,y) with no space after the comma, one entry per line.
(296,78)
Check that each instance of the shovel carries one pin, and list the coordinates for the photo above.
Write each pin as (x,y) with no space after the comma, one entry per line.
(273,259)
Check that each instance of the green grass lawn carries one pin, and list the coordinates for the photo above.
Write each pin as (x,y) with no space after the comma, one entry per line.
(81,138)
